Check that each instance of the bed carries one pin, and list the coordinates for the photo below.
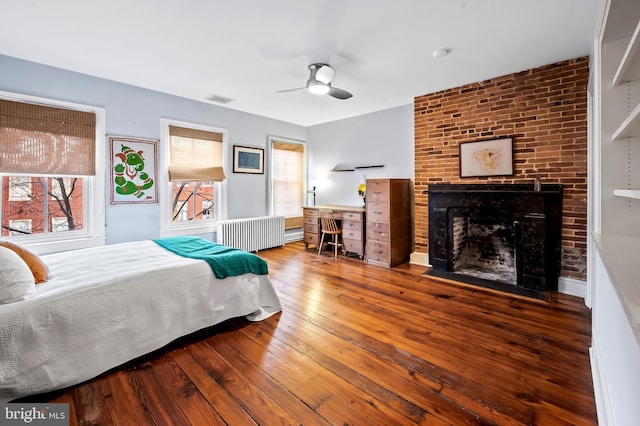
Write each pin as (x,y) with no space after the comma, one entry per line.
(104,306)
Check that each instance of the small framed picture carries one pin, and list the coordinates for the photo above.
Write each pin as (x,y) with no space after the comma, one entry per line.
(486,158)
(248,160)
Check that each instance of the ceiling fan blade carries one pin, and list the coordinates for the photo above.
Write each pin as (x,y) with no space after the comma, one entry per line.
(339,93)
(325,74)
(291,90)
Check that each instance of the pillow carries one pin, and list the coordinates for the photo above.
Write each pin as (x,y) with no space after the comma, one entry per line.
(16,280)
(38,268)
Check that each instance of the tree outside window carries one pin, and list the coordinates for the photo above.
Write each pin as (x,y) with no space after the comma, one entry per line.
(47,204)
(192,201)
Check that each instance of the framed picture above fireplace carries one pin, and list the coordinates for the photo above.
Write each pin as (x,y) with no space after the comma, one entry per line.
(486,158)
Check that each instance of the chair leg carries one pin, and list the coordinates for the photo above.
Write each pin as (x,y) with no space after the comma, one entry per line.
(335,244)
(321,242)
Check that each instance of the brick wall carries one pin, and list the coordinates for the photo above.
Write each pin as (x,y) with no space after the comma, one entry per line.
(544,110)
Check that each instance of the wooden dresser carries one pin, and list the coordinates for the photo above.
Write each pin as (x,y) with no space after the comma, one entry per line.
(352,223)
(388,226)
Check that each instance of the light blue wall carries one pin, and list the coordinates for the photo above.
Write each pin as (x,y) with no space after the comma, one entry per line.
(383,137)
(136,112)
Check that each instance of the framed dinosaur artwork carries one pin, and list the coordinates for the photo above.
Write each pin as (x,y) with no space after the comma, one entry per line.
(133,169)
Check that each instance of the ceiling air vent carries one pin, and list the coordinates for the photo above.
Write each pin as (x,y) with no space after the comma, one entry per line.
(219,99)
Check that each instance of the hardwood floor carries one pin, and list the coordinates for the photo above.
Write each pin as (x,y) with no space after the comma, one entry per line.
(365,345)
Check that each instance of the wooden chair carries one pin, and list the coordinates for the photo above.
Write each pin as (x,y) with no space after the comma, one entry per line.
(329,226)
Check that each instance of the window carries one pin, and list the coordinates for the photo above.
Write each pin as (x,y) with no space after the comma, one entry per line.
(207,209)
(51,168)
(19,188)
(287,180)
(192,201)
(28,201)
(61,187)
(19,226)
(59,224)
(193,159)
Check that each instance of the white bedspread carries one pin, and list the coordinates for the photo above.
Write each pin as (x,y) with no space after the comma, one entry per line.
(104,306)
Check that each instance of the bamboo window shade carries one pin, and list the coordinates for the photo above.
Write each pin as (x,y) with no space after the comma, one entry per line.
(288,181)
(195,155)
(45,140)
(294,147)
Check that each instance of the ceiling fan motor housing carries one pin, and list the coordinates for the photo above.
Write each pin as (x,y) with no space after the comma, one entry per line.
(322,72)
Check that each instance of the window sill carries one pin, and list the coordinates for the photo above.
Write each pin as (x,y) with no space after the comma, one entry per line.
(54,246)
(188,230)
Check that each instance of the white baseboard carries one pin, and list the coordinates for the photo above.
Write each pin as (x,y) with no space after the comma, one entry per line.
(418,258)
(293,236)
(572,286)
(600,390)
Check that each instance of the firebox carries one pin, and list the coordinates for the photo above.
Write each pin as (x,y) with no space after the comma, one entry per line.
(505,237)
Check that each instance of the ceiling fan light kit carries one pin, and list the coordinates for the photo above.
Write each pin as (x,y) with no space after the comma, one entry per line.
(317,87)
(319,83)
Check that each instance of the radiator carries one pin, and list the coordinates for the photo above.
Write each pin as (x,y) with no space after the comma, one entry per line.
(252,234)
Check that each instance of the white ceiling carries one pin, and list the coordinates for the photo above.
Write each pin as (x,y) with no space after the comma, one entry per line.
(249,49)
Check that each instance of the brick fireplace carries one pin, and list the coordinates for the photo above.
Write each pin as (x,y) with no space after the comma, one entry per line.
(502,236)
(544,110)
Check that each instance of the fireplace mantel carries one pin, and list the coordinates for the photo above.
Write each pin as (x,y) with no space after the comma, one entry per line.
(493,188)
(533,217)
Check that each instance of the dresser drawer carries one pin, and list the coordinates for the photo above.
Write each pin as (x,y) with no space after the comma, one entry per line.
(377,231)
(377,191)
(377,212)
(377,251)
(353,235)
(311,213)
(311,239)
(348,225)
(311,220)
(351,216)
(352,246)
(311,229)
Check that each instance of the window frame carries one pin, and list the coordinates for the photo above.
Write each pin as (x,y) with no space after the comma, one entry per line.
(270,196)
(94,192)
(167,227)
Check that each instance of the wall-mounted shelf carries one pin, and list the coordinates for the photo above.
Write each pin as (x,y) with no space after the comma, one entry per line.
(342,167)
(627,193)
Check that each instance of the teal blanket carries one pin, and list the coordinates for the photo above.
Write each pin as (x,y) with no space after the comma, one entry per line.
(224,261)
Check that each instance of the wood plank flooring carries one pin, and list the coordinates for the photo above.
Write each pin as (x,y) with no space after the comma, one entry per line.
(361,345)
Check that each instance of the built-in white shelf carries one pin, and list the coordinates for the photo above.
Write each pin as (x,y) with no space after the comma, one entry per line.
(630,127)
(627,193)
(629,68)
(620,256)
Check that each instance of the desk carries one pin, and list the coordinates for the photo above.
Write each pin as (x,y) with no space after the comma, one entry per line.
(353,232)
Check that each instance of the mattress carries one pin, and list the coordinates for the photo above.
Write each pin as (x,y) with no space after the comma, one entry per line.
(104,306)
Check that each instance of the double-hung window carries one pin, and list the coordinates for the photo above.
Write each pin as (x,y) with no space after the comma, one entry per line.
(51,167)
(193,160)
(287,180)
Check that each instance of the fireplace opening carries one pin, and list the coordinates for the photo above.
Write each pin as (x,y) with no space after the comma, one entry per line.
(484,248)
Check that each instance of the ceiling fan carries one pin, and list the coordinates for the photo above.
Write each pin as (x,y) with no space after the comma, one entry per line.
(319,82)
